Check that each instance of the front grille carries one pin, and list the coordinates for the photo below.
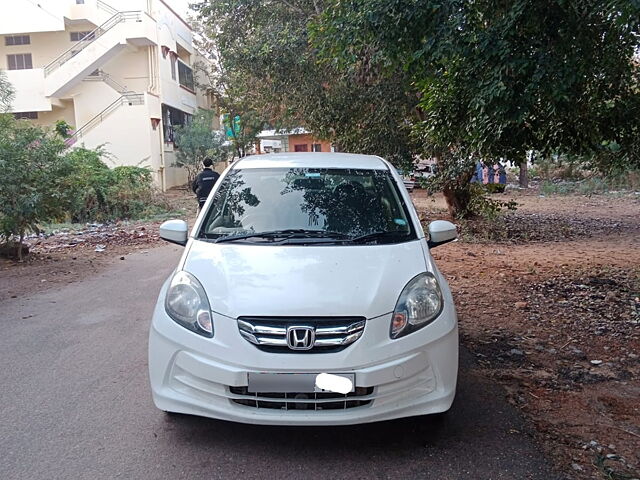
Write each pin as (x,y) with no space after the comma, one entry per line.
(329,334)
(303,401)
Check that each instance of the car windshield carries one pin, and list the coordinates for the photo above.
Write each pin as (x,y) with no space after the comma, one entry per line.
(298,205)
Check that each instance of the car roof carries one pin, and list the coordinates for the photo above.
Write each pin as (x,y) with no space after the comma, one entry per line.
(312,160)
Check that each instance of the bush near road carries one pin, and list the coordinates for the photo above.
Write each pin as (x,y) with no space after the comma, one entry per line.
(43,181)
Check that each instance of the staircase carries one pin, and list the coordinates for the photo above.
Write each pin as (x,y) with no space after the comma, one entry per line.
(101,76)
(99,46)
(128,99)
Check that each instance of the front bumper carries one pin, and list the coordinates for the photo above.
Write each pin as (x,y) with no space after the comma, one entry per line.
(413,375)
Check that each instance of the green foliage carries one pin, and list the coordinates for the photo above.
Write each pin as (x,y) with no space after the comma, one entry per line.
(63,129)
(233,92)
(6,93)
(471,79)
(500,78)
(41,181)
(94,192)
(627,181)
(31,164)
(196,141)
(244,128)
(265,58)
(481,205)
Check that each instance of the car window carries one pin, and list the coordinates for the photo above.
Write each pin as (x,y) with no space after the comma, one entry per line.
(351,202)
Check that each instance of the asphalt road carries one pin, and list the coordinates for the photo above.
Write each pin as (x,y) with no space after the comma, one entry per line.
(75,404)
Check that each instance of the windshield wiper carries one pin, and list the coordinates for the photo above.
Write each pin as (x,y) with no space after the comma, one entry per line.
(286,234)
(379,235)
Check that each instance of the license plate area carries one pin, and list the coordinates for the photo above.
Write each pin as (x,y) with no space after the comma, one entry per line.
(259,382)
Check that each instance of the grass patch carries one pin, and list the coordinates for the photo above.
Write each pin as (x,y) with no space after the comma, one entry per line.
(629,181)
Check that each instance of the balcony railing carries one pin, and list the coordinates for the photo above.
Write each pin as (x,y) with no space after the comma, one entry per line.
(92,37)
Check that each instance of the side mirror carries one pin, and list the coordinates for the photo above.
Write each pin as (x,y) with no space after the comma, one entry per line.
(440,232)
(175,231)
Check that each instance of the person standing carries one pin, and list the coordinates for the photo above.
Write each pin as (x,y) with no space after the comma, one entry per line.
(204,182)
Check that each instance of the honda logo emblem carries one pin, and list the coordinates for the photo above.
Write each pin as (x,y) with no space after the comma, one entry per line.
(301,338)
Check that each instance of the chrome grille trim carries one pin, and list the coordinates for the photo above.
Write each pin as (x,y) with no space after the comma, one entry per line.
(331,333)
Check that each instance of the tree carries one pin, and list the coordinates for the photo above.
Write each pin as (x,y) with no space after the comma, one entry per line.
(498,78)
(241,121)
(265,58)
(242,128)
(6,93)
(32,165)
(197,140)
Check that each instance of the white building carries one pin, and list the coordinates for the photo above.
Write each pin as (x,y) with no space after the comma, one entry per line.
(119,71)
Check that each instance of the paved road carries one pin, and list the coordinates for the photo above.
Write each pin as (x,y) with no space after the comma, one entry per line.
(75,404)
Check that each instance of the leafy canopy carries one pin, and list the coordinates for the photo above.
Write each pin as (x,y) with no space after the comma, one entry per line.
(6,93)
(264,52)
(497,78)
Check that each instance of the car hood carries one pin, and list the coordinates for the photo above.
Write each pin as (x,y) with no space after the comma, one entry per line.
(262,280)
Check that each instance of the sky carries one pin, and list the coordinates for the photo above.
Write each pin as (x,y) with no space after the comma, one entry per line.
(180,6)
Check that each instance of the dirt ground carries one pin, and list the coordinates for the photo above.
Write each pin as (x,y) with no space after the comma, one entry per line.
(554,316)
(548,302)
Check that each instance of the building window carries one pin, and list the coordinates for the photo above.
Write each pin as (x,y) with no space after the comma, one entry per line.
(26,115)
(17,40)
(301,148)
(185,76)
(316,147)
(77,36)
(19,61)
(173,58)
(173,117)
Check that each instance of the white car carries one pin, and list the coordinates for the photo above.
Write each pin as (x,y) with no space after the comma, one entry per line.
(306,295)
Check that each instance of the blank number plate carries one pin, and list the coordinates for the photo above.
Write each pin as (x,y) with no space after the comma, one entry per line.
(289,382)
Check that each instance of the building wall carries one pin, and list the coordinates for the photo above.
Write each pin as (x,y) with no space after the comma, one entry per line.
(308,140)
(130,68)
(91,98)
(129,139)
(44,46)
(29,89)
(65,112)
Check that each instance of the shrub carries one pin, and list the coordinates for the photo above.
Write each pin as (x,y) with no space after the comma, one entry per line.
(41,181)
(621,181)
(31,167)
(96,192)
(483,206)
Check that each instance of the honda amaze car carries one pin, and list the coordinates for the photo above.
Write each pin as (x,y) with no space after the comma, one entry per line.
(306,295)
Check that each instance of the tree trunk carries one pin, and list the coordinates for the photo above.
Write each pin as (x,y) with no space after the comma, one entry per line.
(20,246)
(457,201)
(11,249)
(523,177)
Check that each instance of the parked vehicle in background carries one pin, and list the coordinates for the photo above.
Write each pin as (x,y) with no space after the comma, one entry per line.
(409,181)
(424,171)
(306,295)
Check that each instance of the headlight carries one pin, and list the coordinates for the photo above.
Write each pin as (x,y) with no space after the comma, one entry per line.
(419,304)
(186,303)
